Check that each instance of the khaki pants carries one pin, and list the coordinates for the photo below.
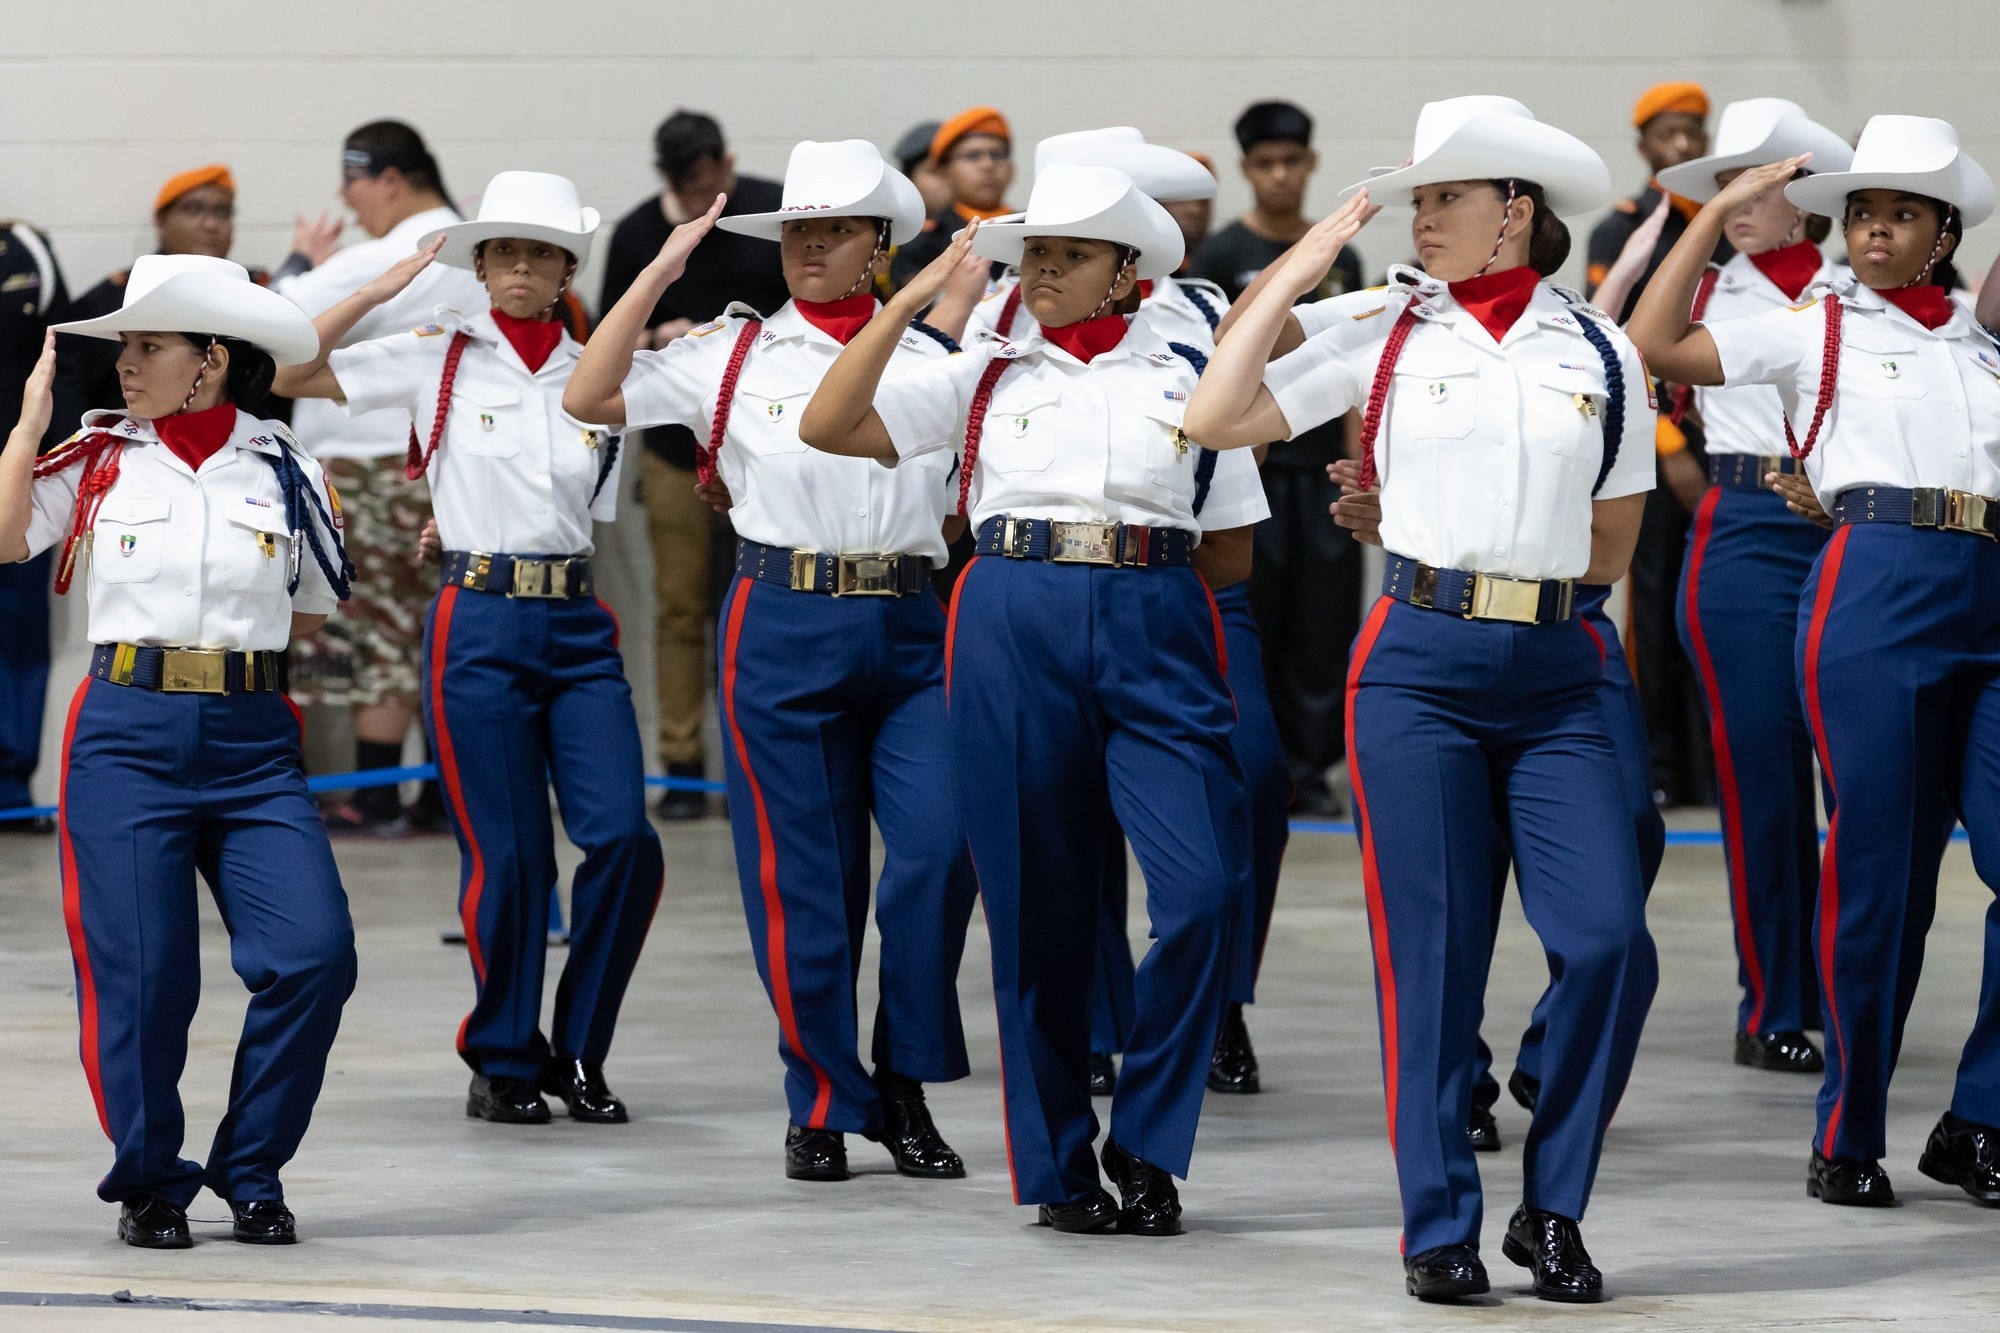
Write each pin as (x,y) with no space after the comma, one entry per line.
(682,546)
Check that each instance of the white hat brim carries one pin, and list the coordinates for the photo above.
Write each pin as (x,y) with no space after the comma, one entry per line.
(1696,179)
(1572,176)
(1004,243)
(1970,191)
(463,238)
(201,303)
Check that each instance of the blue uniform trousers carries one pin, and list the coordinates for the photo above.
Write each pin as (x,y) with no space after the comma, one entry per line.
(1262,757)
(519,693)
(1453,726)
(1899,670)
(1748,557)
(24,673)
(834,711)
(155,789)
(1068,686)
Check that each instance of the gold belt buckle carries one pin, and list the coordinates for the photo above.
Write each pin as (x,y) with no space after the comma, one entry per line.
(192,671)
(1424,587)
(805,570)
(1498,598)
(866,575)
(541,578)
(477,566)
(1083,543)
(1966,512)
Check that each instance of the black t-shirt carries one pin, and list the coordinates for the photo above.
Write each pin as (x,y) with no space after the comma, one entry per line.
(1231,259)
(725,267)
(1608,238)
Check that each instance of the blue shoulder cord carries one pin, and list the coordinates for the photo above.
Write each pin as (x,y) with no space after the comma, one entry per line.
(1208,312)
(1614,393)
(943,339)
(292,481)
(1204,466)
(605,462)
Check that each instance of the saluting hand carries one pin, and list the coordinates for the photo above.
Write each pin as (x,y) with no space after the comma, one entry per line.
(401,274)
(316,238)
(1753,182)
(38,395)
(1309,262)
(671,262)
(923,289)
(1359,511)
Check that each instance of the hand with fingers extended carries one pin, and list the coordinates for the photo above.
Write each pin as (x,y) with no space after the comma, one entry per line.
(923,289)
(1753,182)
(1309,261)
(671,262)
(38,395)
(1357,510)
(1799,496)
(316,238)
(391,282)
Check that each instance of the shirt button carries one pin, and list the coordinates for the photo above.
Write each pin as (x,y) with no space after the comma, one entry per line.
(1499,550)
(1504,501)
(187,592)
(861,513)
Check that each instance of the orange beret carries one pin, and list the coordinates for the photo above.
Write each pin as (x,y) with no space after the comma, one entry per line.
(193,180)
(977,120)
(1691,98)
(1206,161)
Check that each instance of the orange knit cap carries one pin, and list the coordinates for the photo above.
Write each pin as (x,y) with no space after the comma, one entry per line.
(193,180)
(1206,161)
(977,120)
(1691,98)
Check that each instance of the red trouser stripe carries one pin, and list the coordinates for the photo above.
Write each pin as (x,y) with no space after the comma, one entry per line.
(86,984)
(951,625)
(767,866)
(447,761)
(1725,760)
(1371,880)
(1829,878)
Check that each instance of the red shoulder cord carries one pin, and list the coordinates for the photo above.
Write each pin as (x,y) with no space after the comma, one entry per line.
(1378,395)
(99,453)
(1009,308)
(419,461)
(725,397)
(1829,380)
(1684,393)
(975,427)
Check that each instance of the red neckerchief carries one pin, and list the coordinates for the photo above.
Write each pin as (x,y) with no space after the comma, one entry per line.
(839,320)
(1927,305)
(1496,300)
(196,436)
(1088,339)
(533,339)
(1791,268)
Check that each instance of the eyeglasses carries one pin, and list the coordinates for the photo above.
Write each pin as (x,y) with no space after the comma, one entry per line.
(197,211)
(975,156)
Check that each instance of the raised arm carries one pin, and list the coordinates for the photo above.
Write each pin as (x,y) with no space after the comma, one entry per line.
(595,392)
(1676,348)
(1231,408)
(314,379)
(841,418)
(17,460)
(961,296)
(1290,333)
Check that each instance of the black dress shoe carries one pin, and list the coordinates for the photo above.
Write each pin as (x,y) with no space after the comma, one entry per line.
(1103,1075)
(1232,1067)
(815,1154)
(1849,1180)
(583,1090)
(679,805)
(1525,1089)
(1484,1131)
(909,1133)
(1445,1274)
(1092,1214)
(1967,1155)
(505,1101)
(1785,1052)
(151,1223)
(1550,1246)
(264,1222)
(1149,1204)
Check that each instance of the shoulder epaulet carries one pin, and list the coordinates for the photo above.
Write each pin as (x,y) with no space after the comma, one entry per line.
(284,433)
(1574,300)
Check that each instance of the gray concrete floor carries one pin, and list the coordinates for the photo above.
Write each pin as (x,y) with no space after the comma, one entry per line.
(683,1219)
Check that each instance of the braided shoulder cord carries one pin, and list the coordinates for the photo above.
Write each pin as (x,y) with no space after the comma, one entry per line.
(1614,394)
(605,463)
(1207,308)
(307,518)
(1829,381)
(939,336)
(1684,393)
(975,427)
(1378,393)
(419,460)
(1204,464)
(99,453)
(1009,308)
(725,398)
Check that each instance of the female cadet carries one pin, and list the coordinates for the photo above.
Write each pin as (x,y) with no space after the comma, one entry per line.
(832,663)
(1512,462)
(1747,559)
(1892,397)
(212,540)
(523,681)
(1082,663)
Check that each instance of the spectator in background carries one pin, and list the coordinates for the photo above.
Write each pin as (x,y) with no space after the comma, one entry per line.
(32,297)
(1305,584)
(370,656)
(695,165)
(1672,121)
(1195,216)
(913,159)
(974,154)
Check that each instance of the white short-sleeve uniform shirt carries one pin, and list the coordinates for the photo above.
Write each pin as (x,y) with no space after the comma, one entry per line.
(1488,451)
(186,559)
(783,493)
(1746,418)
(1095,442)
(515,475)
(1913,406)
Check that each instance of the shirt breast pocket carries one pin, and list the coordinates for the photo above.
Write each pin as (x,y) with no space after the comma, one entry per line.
(129,538)
(1019,434)
(1436,396)
(766,419)
(486,419)
(1875,363)
(257,558)
(1170,456)
(1568,412)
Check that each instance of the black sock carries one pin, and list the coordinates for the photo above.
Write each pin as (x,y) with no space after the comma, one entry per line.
(385,802)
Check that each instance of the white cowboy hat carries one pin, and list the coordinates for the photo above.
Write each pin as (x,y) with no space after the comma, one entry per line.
(526,205)
(198,294)
(843,179)
(1752,133)
(1094,203)
(1914,154)
(1494,138)
(1160,172)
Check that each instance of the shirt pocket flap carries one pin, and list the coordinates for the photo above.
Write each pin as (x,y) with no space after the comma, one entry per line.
(263,515)
(141,508)
(1437,363)
(1868,336)
(1025,397)
(780,392)
(489,395)
(1168,412)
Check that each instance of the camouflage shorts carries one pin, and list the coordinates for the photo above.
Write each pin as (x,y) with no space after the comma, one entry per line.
(371,651)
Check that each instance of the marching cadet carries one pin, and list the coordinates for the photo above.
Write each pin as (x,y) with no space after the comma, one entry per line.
(1512,465)
(1748,557)
(1083,673)
(523,684)
(832,661)
(1892,398)
(208,540)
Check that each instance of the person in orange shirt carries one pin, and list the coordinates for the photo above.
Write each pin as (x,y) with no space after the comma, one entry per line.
(974,152)
(1672,121)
